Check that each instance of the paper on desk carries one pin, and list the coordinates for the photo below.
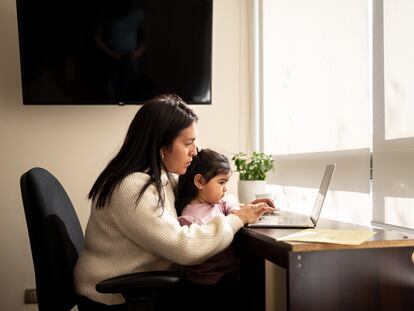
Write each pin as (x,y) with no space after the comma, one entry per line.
(352,237)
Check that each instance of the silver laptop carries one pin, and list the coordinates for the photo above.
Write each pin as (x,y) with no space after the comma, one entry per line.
(285,219)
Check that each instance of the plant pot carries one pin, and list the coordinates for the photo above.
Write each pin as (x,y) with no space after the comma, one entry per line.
(247,189)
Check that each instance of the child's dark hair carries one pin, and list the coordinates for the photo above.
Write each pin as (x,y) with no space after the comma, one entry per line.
(209,164)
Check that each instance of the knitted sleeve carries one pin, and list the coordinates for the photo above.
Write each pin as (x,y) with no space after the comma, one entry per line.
(160,233)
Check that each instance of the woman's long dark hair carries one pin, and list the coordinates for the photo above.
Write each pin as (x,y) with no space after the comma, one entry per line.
(207,163)
(156,125)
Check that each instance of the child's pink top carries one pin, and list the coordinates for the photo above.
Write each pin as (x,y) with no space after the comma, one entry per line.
(211,270)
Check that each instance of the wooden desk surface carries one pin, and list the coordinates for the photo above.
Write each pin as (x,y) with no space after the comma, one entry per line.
(382,238)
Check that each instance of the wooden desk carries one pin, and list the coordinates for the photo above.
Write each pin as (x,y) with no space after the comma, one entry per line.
(376,275)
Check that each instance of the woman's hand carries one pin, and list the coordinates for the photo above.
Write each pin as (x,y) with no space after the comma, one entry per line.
(265,200)
(250,213)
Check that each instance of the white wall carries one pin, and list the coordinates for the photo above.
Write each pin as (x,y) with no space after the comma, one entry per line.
(75,142)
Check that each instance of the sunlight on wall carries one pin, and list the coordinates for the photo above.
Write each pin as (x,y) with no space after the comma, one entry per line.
(353,207)
(399,211)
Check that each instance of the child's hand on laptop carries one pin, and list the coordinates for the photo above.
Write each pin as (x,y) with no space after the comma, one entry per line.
(268,201)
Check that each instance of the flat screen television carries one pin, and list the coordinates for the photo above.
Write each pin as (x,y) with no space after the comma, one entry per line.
(114,51)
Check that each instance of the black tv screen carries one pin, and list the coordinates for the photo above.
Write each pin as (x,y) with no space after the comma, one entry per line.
(114,51)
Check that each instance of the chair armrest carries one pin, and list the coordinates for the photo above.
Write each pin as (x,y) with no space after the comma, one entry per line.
(151,280)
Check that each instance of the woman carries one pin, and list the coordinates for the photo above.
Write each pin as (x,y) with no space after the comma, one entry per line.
(133,226)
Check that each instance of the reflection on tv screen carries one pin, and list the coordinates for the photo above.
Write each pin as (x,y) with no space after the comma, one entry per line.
(114,51)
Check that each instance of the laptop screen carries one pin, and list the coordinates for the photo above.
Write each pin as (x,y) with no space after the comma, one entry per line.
(323,189)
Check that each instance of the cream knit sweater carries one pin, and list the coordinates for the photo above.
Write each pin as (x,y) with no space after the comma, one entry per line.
(124,238)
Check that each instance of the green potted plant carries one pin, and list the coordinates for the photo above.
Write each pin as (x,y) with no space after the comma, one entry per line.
(252,171)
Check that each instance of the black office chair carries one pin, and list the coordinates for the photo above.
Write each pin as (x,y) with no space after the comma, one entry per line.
(56,238)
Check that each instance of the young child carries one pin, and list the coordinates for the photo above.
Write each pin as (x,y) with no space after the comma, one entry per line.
(200,197)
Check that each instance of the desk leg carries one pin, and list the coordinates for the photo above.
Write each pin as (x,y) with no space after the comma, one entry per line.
(360,279)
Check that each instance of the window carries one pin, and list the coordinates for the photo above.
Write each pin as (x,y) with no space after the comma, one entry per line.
(323,98)
(393,111)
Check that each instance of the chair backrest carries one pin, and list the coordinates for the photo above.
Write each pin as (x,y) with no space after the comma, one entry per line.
(56,238)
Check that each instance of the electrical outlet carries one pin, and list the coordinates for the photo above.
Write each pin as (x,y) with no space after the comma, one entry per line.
(30,295)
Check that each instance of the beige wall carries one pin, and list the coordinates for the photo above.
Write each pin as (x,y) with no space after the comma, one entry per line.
(75,142)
